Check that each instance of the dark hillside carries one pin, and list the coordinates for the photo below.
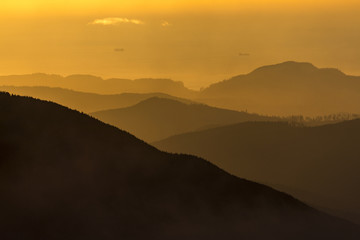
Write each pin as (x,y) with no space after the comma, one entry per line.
(319,163)
(64,175)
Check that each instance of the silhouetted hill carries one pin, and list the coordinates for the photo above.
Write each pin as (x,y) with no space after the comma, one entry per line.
(65,175)
(157,118)
(88,83)
(289,88)
(86,102)
(317,164)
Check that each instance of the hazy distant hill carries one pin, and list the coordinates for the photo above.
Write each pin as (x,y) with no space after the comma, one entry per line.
(86,102)
(65,175)
(288,88)
(317,164)
(88,83)
(157,118)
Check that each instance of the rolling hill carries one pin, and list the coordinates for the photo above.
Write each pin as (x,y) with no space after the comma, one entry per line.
(65,175)
(318,165)
(289,88)
(157,118)
(285,89)
(82,101)
(89,83)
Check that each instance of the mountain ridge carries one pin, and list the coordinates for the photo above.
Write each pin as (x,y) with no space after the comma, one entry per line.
(289,88)
(66,175)
(284,89)
(90,83)
(156,118)
(84,101)
(320,160)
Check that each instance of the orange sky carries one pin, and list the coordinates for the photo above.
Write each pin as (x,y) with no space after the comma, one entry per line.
(150,6)
(197,42)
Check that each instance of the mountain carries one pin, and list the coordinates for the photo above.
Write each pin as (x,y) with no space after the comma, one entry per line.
(289,88)
(318,165)
(86,102)
(88,83)
(157,118)
(65,175)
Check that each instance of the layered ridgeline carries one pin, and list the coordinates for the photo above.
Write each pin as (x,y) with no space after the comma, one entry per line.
(288,88)
(170,111)
(317,164)
(88,83)
(65,175)
(157,118)
(82,101)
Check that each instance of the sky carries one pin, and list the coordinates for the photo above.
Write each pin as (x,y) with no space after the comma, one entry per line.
(197,42)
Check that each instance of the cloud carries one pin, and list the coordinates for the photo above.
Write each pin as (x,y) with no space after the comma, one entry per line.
(116,21)
(165,24)
(119,49)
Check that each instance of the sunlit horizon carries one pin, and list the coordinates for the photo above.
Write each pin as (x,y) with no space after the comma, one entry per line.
(197,42)
(64,7)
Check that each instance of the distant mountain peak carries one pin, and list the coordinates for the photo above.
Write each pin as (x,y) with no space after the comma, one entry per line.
(95,84)
(294,68)
(161,101)
(287,67)
(157,100)
(87,77)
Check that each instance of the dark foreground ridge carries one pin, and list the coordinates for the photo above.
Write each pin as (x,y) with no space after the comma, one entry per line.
(318,165)
(64,175)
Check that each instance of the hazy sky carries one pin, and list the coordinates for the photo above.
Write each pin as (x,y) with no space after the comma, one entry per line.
(197,42)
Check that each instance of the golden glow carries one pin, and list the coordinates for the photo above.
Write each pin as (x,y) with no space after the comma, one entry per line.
(116,21)
(195,41)
(143,6)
